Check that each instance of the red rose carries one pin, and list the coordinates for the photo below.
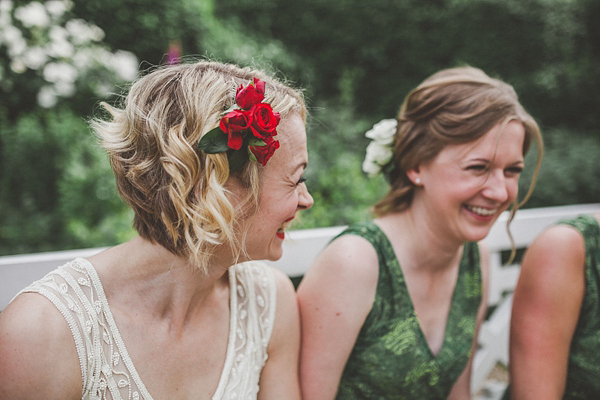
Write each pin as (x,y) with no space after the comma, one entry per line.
(233,124)
(263,153)
(264,120)
(250,95)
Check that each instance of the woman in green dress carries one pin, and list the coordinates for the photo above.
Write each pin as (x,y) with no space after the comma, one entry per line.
(391,308)
(555,325)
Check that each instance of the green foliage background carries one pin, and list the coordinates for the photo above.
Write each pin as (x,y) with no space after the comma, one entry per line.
(356,61)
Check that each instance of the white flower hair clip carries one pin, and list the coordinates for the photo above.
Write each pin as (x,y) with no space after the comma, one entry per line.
(379,151)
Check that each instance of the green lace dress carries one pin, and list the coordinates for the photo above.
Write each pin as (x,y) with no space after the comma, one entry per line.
(391,358)
(583,374)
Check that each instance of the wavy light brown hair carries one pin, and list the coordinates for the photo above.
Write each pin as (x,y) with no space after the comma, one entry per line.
(178,193)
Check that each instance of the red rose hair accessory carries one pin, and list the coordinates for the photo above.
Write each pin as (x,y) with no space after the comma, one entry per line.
(246,131)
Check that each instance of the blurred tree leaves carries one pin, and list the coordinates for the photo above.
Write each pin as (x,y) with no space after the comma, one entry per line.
(147,27)
(546,48)
(357,60)
(570,171)
(57,188)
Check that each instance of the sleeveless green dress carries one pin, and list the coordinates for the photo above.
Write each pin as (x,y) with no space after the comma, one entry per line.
(391,358)
(583,373)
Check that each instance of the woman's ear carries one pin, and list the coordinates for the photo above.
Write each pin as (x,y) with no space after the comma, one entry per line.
(414,175)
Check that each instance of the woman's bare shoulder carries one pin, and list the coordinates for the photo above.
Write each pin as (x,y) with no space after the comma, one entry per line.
(558,243)
(31,316)
(346,272)
(554,264)
(350,253)
(36,349)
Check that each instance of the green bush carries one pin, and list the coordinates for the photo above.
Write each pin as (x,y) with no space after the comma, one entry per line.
(570,170)
(57,188)
(343,194)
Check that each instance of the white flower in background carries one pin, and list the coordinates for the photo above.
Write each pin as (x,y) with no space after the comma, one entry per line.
(379,151)
(60,49)
(96,33)
(103,89)
(60,72)
(101,57)
(125,64)
(58,34)
(18,66)
(56,8)
(63,52)
(47,97)
(64,88)
(84,59)
(34,58)
(5,6)
(13,39)
(59,46)
(33,14)
(81,32)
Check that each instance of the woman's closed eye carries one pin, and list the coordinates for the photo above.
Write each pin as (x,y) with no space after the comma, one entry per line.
(478,167)
(516,170)
(301,180)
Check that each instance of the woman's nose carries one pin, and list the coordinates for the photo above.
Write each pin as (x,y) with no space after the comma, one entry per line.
(496,187)
(305,200)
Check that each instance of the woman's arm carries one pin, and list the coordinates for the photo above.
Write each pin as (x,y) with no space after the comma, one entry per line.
(335,297)
(546,307)
(462,387)
(279,378)
(38,359)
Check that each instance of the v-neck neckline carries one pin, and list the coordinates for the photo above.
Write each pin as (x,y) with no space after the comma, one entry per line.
(229,357)
(397,270)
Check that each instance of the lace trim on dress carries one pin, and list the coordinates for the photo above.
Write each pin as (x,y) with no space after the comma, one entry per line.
(253,286)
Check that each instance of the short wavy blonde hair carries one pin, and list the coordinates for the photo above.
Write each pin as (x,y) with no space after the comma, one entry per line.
(452,106)
(178,193)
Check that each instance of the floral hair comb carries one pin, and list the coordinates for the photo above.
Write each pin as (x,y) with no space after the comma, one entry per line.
(379,151)
(246,131)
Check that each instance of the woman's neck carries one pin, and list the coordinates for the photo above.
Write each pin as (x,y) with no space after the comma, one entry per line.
(418,242)
(145,280)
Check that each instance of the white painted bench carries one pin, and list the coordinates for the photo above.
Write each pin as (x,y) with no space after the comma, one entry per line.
(302,246)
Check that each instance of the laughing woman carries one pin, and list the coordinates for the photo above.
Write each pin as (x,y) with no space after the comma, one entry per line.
(210,157)
(392,307)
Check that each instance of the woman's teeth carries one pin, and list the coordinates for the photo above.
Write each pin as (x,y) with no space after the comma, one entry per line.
(482,211)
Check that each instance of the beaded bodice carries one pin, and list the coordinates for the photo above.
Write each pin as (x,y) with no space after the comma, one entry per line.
(107,370)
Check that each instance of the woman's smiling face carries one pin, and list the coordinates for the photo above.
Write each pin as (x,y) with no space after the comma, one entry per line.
(283,192)
(467,186)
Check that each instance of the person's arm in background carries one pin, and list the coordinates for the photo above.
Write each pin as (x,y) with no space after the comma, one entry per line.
(546,307)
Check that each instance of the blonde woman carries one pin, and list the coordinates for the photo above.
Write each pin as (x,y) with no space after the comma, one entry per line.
(210,157)
(392,307)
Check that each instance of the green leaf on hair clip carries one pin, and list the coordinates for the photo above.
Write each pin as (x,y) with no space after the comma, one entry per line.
(214,141)
(256,142)
(237,159)
(251,155)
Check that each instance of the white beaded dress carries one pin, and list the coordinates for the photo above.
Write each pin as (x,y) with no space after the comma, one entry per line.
(107,371)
